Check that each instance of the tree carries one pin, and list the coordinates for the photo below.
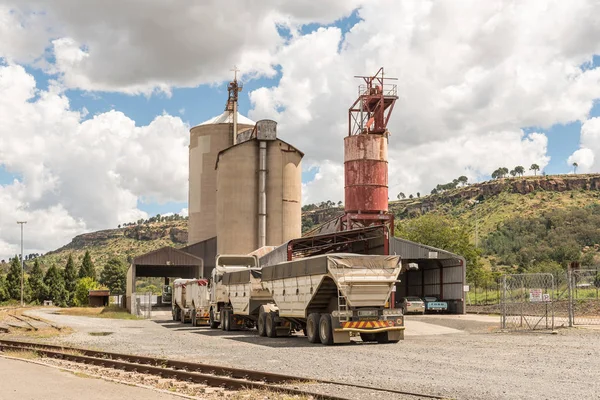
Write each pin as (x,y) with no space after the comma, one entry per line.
(3,292)
(418,195)
(410,196)
(401,196)
(70,277)
(519,170)
(575,165)
(36,283)
(13,279)
(82,290)
(535,168)
(55,285)
(434,191)
(504,171)
(114,276)
(513,172)
(463,180)
(87,267)
(443,233)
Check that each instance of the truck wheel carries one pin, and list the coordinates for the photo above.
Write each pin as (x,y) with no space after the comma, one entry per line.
(270,328)
(326,329)
(182,314)
(174,314)
(382,338)
(312,328)
(262,330)
(194,320)
(368,337)
(213,324)
(227,320)
(223,326)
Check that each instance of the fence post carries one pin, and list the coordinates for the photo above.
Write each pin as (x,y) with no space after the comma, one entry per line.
(570,303)
(504,302)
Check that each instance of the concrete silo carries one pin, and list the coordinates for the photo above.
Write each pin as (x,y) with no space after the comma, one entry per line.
(206,141)
(259,187)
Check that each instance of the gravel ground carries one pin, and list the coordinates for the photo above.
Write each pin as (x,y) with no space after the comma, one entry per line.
(473,364)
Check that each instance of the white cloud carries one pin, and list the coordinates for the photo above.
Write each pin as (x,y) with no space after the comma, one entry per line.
(471,75)
(79,176)
(139,48)
(588,156)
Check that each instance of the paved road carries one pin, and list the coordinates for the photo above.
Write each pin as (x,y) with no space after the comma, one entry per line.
(25,381)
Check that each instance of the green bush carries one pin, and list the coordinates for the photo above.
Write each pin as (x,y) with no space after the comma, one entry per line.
(82,289)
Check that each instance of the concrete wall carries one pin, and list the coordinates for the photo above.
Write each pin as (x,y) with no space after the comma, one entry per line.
(237,196)
(206,141)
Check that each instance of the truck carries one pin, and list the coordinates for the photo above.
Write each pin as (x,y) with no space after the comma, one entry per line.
(236,292)
(167,292)
(332,297)
(180,308)
(198,299)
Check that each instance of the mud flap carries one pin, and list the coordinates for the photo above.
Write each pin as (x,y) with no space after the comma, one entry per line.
(341,337)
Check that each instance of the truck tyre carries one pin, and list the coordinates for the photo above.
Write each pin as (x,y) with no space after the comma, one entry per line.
(213,324)
(326,329)
(223,320)
(174,314)
(312,328)
(382,338)
(270,327)
(182,314)
(194,320)
(262,330)
(368,337)
(227,320)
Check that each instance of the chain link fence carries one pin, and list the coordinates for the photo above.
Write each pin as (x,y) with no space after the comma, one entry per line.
(585,296)
(142,304)
(527,301)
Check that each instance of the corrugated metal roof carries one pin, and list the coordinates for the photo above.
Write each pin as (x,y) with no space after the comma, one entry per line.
(227,118)
(168,256)
(412,250)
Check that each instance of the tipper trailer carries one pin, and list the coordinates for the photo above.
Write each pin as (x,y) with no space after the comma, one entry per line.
(198,299)
(180,308)
(236,292)
(332,297)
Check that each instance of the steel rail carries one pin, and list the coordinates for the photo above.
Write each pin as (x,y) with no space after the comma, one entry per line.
(211,375)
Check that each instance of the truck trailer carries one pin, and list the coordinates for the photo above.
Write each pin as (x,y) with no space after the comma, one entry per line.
(180,308)
(198,299)
(333,297)
(237,292)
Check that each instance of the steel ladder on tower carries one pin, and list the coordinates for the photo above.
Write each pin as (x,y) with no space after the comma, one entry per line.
(342,300)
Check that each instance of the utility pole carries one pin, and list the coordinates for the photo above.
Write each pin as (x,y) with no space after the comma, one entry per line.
(22,268)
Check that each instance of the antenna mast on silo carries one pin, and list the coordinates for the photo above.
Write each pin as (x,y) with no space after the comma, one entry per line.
(232,102)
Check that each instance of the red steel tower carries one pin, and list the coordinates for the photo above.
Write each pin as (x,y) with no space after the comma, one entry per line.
(366,155)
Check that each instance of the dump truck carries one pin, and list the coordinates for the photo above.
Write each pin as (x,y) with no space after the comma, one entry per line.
(332,297)
(198,299)
(180,308)
(237,292)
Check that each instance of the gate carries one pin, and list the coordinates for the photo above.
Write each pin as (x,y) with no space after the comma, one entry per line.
(143,305)
(585,299)
(527,302)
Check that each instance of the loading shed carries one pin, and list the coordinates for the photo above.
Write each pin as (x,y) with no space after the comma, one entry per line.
(441,273)
(166,262)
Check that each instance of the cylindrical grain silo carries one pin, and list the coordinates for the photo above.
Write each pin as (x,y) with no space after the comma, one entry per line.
(366,173)
(238,199)
(206,141)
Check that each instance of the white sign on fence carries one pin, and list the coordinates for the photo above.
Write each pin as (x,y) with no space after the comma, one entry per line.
(546,297)
(535,295)
(466,288)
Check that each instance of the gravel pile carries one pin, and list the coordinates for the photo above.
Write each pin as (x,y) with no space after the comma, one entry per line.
(473,365)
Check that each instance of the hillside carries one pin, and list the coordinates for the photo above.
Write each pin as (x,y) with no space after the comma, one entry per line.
(124,243)
(482,208)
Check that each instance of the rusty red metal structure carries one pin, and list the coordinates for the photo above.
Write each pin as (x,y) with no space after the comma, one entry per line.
(366,155)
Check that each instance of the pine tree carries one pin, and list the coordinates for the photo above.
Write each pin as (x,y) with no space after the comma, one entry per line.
(70,278)
(56,286)
(87,267)
(3,291)
(13,279)
(36,283)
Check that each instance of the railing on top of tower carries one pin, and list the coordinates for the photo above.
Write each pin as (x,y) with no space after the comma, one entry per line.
(371,111)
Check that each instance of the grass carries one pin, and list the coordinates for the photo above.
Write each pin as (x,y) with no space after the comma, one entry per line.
(265,395)
(27,354)
(112,312)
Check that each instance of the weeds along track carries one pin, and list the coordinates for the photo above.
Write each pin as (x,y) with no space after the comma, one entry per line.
(209,375)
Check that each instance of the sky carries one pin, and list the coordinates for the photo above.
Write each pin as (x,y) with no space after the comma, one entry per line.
(97,97)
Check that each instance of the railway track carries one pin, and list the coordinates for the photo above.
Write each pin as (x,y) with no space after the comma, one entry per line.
(209,375)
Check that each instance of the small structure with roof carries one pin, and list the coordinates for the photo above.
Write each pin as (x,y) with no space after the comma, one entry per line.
(98,298)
